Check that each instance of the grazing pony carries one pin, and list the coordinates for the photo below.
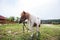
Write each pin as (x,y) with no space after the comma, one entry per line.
(32,21)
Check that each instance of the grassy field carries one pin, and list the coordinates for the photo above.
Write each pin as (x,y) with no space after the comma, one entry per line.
(15,32)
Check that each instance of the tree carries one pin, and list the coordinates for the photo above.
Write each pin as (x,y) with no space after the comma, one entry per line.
(17,19)
(11,19)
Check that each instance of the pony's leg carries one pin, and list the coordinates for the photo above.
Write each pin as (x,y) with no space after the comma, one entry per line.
(37,30)
(23,27)
(31,29)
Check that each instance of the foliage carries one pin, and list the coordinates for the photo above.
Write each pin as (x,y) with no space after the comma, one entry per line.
(11,18)
(51,21)
(17,19)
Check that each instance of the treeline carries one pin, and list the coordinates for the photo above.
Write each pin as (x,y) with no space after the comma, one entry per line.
(52,21)
(12,19)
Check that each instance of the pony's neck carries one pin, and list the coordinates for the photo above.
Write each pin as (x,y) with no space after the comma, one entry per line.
(30,17)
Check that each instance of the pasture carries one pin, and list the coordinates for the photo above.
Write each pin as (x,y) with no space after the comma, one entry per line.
(15,32)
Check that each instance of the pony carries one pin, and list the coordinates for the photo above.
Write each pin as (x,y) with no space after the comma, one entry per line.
(33,21)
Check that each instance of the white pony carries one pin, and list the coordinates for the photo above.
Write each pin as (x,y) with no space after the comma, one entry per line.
(32,21)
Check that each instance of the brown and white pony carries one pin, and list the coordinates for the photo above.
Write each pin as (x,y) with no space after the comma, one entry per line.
(32,21)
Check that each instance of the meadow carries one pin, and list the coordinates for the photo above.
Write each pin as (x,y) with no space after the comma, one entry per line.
(15,32)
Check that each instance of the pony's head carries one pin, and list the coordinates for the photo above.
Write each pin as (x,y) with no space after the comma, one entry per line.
(24,16)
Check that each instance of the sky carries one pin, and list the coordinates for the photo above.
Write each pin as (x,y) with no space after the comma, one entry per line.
(44,9)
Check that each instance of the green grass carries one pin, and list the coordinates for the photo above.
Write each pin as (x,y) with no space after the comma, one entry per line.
(51,32)
(15,32)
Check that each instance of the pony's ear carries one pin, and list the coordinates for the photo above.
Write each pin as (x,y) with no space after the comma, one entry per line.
(24,12)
